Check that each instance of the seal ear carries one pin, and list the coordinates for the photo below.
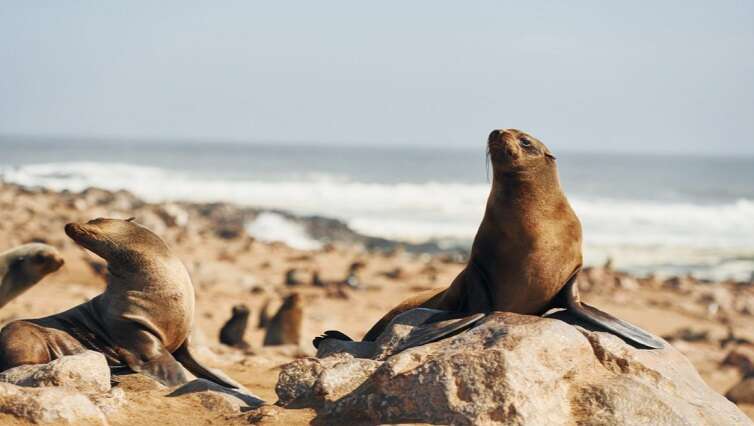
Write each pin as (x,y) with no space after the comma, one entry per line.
(130,219)
(549,155)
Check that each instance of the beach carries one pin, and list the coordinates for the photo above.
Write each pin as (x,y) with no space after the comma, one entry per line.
(229,266)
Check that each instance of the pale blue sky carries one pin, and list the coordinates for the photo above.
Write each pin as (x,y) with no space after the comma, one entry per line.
(671,76)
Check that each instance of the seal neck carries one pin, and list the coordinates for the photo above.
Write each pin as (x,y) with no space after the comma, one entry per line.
(532,187)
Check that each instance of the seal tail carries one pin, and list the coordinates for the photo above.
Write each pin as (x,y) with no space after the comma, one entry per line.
(569,299)
(183,355)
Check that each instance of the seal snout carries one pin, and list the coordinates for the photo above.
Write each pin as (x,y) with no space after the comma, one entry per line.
(56,262)
(501,142)
(78,233)
(73,230)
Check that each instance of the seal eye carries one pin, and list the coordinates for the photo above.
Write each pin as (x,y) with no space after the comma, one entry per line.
(524,142)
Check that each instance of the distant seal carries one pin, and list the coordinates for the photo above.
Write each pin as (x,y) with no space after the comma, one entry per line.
(527,251)
(23,266)
(232,333)
(142,320)
(264,314)
(285,326)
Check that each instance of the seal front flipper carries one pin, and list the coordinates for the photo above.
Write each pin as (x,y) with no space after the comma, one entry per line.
(437,327)
(569,298)
(162,367)
(183,355)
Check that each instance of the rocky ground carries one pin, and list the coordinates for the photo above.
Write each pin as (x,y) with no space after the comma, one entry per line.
(711,324)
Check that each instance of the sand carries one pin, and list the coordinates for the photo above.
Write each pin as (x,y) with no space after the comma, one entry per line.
(233,268)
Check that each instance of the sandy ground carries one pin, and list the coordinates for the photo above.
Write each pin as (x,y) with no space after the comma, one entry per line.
(237,269)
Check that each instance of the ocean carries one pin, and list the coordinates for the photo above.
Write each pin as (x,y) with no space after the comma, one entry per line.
(661,214)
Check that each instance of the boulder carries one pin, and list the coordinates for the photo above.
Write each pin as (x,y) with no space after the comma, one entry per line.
(86,372)
(49,405)
(510,369)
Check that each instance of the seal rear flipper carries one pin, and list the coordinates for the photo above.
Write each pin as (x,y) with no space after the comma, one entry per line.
(617,326)
(330,334)
(183,355)
(569,299)
(437,328)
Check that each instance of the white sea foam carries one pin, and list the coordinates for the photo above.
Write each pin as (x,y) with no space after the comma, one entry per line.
(270,226)
(714,241)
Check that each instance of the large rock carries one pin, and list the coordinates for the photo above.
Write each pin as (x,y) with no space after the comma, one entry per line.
(86,372)
(49,405)
(511,369)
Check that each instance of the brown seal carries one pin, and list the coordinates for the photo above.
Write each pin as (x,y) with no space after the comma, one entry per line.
(232,333)
(285,326)
(141,321)
(527,251)
(23,266)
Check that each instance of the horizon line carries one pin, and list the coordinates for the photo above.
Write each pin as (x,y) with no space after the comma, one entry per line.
(386,145)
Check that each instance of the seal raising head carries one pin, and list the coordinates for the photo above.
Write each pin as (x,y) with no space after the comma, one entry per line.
(141,321)
(24,266)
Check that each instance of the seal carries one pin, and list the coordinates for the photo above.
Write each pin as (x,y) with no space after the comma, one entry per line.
(527,251)
(232,333)
(285,326)
(24,266)
(141,321)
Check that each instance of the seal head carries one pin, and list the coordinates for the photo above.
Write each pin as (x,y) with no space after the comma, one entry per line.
(24,266)
(512,150)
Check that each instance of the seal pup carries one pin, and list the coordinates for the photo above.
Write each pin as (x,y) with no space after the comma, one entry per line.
(232,333)
(23,266)
(285,326)
(527,252)
(141,321)
(264,314)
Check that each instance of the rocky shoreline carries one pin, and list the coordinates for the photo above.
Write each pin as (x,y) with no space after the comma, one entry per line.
(709,323)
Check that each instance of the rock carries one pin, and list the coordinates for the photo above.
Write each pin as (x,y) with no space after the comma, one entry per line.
(48,405)
(720,297)
(312,381)
(86,372)
(511,369)
(263,413)
(109,402)
(688,334)
(218,398)
(627,283)
(294,277)
(683,285)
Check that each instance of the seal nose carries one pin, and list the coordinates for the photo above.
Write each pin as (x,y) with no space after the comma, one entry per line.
(494,136)
(70,229)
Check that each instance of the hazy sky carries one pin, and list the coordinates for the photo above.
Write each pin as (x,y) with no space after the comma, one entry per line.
(673,76)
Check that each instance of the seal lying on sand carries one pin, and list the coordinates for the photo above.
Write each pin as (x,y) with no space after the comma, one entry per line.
(527,251)
(23,266)
(142,320)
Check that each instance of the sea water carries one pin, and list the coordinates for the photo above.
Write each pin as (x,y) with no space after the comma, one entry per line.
(663,214)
